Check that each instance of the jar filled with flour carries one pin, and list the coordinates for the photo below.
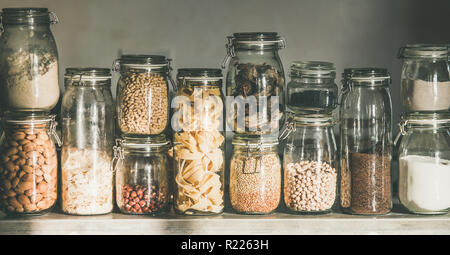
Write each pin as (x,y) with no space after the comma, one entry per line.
(28,60)
(425,85)
(424,155)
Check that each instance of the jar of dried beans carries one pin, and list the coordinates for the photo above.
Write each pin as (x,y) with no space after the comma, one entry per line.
(28,60)
(366,143)
(425,82)
(255,175)
(199,142)
(143,94)
(312,88)
(142,169)
(255,80)
(29,164)
(310,164)
(424,155)
(88,137)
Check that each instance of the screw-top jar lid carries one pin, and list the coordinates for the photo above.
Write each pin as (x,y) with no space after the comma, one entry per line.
(255,142)
(92,75)
(28,16)
(368,76)
(313,69)
(433,51)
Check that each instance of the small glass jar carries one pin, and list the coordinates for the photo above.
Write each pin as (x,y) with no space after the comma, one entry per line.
(425,82)
(255,78)
(255,175)
(142,168)
(312,88)
(28,60)
(310,165)
(143,94)
(29,164)
(199,142)
(88,136)
(424,155)
(366,143)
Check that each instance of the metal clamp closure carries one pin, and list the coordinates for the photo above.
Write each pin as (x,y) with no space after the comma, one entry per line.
(53,18)
(118,154)
(402,126)
(53,124)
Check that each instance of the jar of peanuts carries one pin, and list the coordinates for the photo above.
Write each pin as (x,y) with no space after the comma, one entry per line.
(255,175)
(142,174)
(29,164)
(143,94)
(310,164)
(199,142)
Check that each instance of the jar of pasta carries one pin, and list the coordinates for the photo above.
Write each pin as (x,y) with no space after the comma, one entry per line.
(29,164)
(199,142)
(143,94)
(88,137)
(255,175)
(142,170)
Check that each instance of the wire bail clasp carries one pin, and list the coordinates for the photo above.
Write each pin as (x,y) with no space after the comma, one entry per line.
(53,124)
(118,154)
(230,51)
(402,126)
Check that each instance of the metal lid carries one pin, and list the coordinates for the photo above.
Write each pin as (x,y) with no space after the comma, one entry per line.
(313,69)
(28,16)
(432,51)
(368,76)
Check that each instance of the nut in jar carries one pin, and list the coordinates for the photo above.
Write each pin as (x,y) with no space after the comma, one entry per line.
(28,165)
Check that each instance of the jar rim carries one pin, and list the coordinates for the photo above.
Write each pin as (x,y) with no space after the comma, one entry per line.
(142,60)
(416,118)
(367,76)
(27,15)
(424,50)
(79,76)
(313,69)
(257,39)
(200,73)
(144,142)
(255,142)
(28,117)
(314,119)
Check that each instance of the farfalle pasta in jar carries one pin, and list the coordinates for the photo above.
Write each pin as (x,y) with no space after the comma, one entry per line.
(199,142)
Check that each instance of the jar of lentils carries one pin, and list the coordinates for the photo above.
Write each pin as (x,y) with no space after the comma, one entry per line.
(143,94)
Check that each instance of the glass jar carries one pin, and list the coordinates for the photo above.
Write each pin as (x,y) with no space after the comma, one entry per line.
(310,165)
(312,88)
(143,94)
(366,143)
(28,60)
(88,135)
(199,142)
(255,175)
(255,79)
(28,168)
(425,84)
(142,167)
(424,155)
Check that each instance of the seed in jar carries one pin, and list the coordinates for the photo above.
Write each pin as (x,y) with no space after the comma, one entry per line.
(310,186)
(139,199)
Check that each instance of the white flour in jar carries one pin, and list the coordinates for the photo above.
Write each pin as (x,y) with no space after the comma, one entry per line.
(420,95)
(424,183)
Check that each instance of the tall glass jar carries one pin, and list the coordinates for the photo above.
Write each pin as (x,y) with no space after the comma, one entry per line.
(199,142)
(29,164)
(424,172)
(366,143)
(425,85)
(310,165)
(28,60)
(142,170)
(255,175)
(312,88)
(88,136)
(143,94)
(255,78)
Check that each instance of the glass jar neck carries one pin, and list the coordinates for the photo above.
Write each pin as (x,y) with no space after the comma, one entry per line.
(255,148)
(312,80)
(124,69)
(28,16)
(256,50)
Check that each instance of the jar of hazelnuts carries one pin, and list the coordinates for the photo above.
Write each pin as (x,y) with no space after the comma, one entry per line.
(28,163)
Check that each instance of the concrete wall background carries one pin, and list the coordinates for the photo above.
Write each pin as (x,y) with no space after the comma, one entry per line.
(350,33)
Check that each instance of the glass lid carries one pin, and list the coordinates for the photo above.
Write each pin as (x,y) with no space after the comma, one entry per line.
(313,69)
(425,51)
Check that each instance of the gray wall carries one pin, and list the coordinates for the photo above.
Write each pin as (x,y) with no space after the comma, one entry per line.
(350,33)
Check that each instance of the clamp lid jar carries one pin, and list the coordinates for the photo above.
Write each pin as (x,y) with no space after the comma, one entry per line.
(142,174)
(312,88)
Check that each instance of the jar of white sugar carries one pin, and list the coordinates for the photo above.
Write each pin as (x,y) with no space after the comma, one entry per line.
(28,60)
(424,155)
(425,83)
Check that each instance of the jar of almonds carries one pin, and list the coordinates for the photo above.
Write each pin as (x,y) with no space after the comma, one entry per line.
(143,94)
(28,166)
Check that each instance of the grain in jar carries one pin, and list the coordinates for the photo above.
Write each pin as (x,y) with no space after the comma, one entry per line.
(255,176)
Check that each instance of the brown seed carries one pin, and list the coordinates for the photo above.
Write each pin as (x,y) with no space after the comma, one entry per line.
(30,207)
(23,200)
(42,187)
(18,136)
